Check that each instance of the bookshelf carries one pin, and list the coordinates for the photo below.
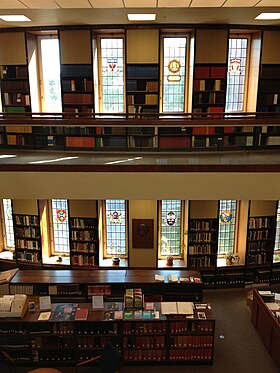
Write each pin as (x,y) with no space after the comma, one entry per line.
(65,343)
(260,241)
(209,94)
(77,97)
(202,243)
(142,89)
(27,238)
(268,99)
(84,242)
(15,89)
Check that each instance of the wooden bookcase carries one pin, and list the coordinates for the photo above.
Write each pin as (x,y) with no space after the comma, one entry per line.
(27,238)
(202,243)
(84,242)
(142,88)
(164,340)
(15,89)
(209,95)
(260,241)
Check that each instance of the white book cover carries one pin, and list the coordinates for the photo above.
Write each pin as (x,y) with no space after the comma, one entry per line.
(169,308)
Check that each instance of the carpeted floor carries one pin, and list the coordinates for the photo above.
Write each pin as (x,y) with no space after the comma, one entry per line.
(238,347)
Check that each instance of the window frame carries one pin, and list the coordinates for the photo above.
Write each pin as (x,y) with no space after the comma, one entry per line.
(235,239)
(187,67)
(103,231)
(4,229)
(51,231)
(99,69)
(276,246)
(41,85)
(183,231)
(247,69)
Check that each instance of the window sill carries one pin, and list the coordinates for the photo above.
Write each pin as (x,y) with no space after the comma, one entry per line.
(177,263)
(7,255)
(54,260)
(108,263)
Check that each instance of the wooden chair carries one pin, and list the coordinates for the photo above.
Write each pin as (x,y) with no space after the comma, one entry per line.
(108,362)
(7,363)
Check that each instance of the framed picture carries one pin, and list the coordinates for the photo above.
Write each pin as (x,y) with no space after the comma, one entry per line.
(143,233)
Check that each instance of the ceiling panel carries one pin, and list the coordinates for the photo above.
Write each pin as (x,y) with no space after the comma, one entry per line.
(40,4)
(173,3)
(107,3)
(269,3)
(73,4)
(207,3)
(11,4)
(140,4)
(240,3)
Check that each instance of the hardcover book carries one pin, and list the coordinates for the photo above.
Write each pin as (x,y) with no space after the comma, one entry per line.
(64,312)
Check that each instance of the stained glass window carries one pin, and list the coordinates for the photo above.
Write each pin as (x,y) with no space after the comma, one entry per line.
(174,71)
(227,221)
(116,227)
(60,225)
(237,57)
(276,256)
(170,238)
(112,63)
(8,224)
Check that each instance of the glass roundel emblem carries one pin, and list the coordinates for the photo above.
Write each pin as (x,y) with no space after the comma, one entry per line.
(171,218)
(226,217)
(174,66)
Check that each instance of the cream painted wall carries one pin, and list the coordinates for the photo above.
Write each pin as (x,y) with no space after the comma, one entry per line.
(142,46)
(203,209)
(82,208)
(263,208)
(25,206)
(75,46)
(144,209)
(15,55)
(140,185)
(270,47)
(211,46)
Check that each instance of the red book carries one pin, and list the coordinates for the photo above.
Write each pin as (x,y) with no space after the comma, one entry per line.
(81,314)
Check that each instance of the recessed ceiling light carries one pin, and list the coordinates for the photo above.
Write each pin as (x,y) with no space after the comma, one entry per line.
(7,156)
(53,160)
(15,18)
(142,17)
(268,16)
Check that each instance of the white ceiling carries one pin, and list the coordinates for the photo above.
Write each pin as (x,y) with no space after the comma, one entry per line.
(91,12)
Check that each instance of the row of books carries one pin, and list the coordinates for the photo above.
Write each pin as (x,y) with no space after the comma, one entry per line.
(144,327)
(256,259)
(208,85)
(31,232)
(27,219)
(133,298)
(79,70)
(192,326)
(201,237)
(14,72)
(202,225)
(82,247)
(80,142)
(27,244)
(144,341)
(269,99)
(230,278)
(55,355)
(29,257)
(210,71)
(191,354)
(56,342)
(142,71)
(200,249)
(145,355)
(259,235)
(83,235)
(83,260)
(259,222)
(12,86)
(202,262)
(78,98)
(192,341)
(258,246)
(83,222)
(208,98)
(16,99)
(60,329)
(108,328)
(77,84)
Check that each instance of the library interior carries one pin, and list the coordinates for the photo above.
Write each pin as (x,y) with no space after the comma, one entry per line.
(140,187)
